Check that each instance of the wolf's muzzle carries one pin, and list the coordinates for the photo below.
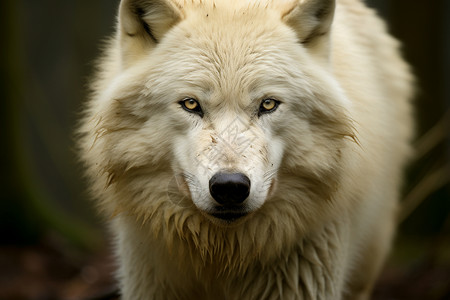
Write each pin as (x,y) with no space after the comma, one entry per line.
(229,189)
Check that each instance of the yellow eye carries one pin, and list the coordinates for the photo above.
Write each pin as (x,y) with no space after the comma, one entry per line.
(268,105)
(190,104)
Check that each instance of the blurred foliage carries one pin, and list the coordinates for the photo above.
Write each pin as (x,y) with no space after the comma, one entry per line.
(44,64)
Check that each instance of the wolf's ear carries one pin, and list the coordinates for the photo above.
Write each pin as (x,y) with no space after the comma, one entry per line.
(311,20)
(143,23)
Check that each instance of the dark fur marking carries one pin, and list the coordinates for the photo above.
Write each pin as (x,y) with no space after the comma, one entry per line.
(140,12)
(322,13)
(312,36)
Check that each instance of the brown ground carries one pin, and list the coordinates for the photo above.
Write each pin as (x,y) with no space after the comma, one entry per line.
(54,271)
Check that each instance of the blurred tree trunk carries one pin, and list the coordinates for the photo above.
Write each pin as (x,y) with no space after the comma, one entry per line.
(423,29)
(424,39)
(26,215)
(16,224)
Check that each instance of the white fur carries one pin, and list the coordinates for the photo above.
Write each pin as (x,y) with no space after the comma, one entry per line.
(325,167)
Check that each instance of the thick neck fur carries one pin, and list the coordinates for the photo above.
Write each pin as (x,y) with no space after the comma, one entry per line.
(307,271)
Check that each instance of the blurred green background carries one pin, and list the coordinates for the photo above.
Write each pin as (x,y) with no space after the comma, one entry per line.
(47,53)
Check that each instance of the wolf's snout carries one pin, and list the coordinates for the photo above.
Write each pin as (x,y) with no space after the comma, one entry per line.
(229,189)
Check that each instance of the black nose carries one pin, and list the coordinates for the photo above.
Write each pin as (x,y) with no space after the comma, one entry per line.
(229,188)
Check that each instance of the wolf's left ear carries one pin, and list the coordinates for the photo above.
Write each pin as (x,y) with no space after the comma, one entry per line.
(311,20)
(143,23)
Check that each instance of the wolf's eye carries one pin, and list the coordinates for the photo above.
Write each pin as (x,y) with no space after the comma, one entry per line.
(191,105)
(268,106)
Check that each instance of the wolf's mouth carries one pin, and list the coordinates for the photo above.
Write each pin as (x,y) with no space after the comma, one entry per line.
(229,216)
(229,213)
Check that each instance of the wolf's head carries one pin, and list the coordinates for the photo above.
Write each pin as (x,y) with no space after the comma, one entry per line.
(219,107)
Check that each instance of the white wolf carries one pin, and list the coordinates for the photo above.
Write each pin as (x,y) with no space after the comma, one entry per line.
(249,149)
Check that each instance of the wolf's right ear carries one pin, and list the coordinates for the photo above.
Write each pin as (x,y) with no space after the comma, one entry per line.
(311,20)
(143,23)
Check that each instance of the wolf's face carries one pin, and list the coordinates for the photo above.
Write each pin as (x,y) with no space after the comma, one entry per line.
(225,103)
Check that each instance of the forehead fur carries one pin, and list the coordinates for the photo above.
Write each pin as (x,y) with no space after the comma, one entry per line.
(226,51)
(231,53)
(237,4)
